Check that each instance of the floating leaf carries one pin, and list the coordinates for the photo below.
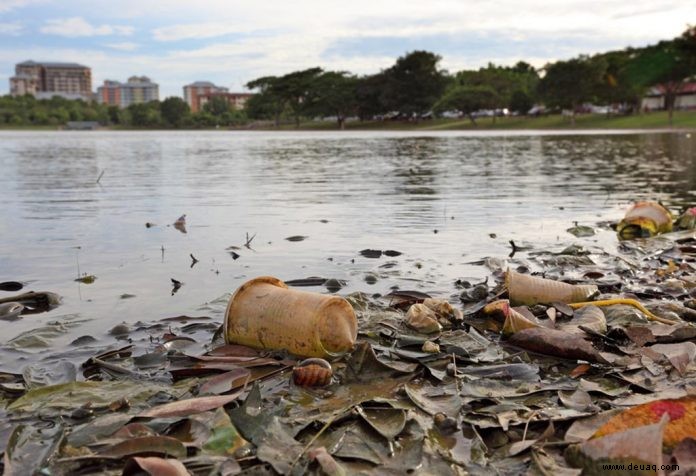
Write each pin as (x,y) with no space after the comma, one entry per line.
(163,445)
(28,449)
(226,382)
(388,422)
(190,406)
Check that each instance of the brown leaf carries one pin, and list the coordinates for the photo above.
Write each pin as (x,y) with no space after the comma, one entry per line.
(225,382)
(146,445)
(155,466)
(556,343)
(190,406)
(642,445)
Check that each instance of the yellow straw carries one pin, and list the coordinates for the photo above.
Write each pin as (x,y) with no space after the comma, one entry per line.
(627,302)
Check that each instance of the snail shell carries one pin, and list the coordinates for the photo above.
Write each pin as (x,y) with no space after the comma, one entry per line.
(312,373)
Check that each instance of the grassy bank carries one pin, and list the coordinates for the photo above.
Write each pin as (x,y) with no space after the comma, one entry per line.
(653,120)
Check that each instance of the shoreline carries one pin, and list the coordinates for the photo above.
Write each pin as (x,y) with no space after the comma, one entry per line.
(684,121)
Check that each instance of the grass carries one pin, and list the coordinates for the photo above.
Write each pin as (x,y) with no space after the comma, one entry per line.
(653,120)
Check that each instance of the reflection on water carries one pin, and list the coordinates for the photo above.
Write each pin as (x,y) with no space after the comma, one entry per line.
(435,197)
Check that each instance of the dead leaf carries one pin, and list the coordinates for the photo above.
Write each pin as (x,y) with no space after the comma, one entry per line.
(190,406)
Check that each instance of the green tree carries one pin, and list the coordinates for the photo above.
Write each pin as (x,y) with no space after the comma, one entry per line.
(568,84)
(467,100)
(413,84)
(521,102)
(217,106)
(335,95)
(297,89)
(369,96)
(174,111)
(268,103)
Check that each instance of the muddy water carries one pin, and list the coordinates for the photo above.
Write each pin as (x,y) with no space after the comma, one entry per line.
(435,197)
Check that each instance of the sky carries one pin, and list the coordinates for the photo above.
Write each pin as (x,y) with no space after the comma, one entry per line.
(230,42)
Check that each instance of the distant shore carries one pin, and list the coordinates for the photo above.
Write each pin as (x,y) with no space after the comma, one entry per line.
(683,120)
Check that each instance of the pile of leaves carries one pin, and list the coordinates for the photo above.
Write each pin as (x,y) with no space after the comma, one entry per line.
(470,396)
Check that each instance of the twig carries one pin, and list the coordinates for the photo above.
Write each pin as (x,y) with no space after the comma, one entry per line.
(454,372)
(314,438)
(101,175)
(249,240)
(526,426)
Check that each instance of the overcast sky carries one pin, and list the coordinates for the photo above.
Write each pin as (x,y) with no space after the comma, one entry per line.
(231,42)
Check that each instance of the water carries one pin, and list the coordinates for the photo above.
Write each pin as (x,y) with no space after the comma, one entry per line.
(345,191)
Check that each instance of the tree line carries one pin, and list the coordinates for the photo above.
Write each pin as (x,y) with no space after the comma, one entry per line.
(173,112)
(415,87)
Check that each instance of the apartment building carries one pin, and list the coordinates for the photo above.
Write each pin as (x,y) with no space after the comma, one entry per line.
(47,79)
(138,89)
(235,100)
(194,91)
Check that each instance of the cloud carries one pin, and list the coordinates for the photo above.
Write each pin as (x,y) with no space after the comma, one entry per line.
(124,46)
(11,29)
(197,31)
(78,26)
(7,5)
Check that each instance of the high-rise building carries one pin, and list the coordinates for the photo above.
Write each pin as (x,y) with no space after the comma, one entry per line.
(235,100)
(137,90)
(47,79)
(194,91)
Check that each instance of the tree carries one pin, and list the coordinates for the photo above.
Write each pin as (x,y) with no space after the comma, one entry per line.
(217,106)
(174,111)
(568,84)
(521,102)
(413,84)
(297,90)
(505,81)
(335,95)
(268,103)
(467,100)
(666,65)
(369,96)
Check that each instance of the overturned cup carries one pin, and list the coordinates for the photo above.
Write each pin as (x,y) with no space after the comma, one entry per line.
(265,314)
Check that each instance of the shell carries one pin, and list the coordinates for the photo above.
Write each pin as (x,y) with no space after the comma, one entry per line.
(312,373)
(430,347)
(423,319)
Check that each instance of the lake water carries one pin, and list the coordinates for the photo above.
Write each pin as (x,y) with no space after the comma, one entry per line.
(435,197)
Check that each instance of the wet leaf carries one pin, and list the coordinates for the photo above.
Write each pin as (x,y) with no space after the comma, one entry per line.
(11,286)
(162,445)
(97,429)
(226,382)
(640,445)
(681,355)
(388,422)
(680,422)
(296,238)
(588,317)
(224,438)
(328,464)
(556,343)
(190,406)
(53,399)
(434,400)
(28,449)
(87,279)
(155,466)
(581,231)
